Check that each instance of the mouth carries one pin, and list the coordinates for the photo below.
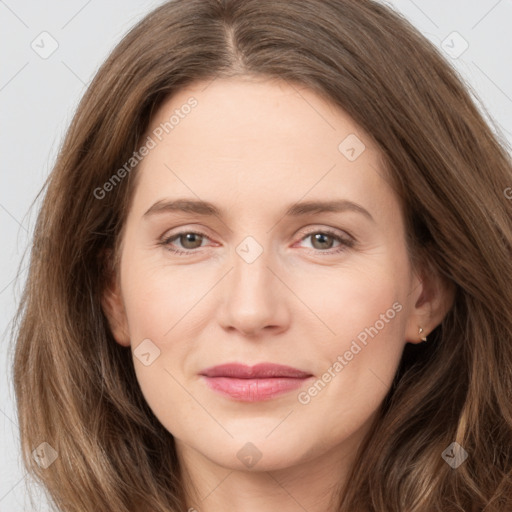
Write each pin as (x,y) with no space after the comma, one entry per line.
(254,383)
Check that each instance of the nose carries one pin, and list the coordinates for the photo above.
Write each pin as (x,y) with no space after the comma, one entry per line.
(255,299)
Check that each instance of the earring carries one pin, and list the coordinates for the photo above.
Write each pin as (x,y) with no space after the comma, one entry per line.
(422,338)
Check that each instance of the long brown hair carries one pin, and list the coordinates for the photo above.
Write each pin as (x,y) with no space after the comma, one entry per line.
(76,387)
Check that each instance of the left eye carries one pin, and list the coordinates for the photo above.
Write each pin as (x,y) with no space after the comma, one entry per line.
(321,240)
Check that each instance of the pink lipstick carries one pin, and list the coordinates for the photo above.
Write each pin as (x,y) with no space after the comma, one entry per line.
(254,383)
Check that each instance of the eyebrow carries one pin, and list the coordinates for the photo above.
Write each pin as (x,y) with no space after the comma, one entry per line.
(200,207)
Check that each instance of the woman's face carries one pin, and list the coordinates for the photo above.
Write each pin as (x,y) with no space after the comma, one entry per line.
(304,264)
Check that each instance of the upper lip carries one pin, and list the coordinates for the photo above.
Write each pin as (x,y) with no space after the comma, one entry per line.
(262,370)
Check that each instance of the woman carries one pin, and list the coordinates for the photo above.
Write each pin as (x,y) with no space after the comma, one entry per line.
(273,272)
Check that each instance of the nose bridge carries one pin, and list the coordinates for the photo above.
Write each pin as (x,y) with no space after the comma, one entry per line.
(251,278)
(252,297)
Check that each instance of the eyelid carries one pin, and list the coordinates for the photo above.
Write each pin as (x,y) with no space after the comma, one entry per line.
(181,230)
(308,230)
(326,229)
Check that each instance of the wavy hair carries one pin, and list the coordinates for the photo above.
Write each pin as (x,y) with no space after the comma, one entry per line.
(76,388)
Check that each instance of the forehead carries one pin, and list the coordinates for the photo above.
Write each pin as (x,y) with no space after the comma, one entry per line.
(260,141)
(276,113)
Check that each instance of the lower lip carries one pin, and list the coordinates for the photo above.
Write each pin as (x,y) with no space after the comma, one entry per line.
(254,390)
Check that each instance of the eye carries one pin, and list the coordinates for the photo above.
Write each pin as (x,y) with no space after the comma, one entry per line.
(323,239)
(189,240)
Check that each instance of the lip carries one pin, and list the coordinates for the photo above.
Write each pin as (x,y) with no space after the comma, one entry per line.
(263,381)
(259,371)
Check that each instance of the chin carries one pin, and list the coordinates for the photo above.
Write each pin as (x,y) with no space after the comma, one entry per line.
(255,453)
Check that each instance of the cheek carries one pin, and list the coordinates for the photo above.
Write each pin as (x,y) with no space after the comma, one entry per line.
(158,302)
(166,395)
(350,301)
(159,298)
(357,361)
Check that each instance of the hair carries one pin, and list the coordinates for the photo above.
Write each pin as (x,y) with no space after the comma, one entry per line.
(76,388)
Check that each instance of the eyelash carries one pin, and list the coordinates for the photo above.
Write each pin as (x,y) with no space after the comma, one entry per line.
(346,243)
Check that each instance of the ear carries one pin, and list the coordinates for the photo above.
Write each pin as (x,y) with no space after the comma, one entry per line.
(112,302)
(433,297)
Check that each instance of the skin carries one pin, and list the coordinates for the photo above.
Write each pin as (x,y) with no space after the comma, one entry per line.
(253,147)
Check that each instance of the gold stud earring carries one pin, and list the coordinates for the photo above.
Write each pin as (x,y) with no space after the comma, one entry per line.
(422,338)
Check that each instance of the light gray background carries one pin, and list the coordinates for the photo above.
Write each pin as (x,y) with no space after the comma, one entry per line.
(38,97)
